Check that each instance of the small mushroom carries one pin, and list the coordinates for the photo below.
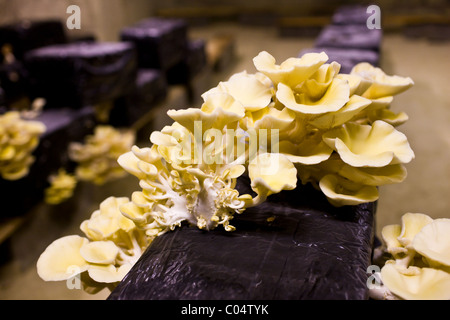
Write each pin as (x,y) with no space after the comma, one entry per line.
(62,259)
(292,71)
(383,85)
(219,110)
(246,89)
(270,173)
(341,191)
(375,145)
(422,284)
(100,252)
(109,274)
(412,223)
(332,100)
(390,234)
(433,242)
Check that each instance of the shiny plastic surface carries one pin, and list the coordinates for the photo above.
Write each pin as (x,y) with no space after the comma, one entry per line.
(294,246)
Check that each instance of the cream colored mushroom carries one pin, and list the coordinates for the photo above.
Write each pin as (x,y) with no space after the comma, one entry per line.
(369,146)
(390,234)
(219,110)
(423,284)
(382,84)
(328,120)
(62,259)
(270,173)
(292,71)
(246,89)
(341,192)
(374,176)
(100,252)
(106,221)
(412,223)
(332,100)
(270,118)
(433,242)
(109,274)
(310,151)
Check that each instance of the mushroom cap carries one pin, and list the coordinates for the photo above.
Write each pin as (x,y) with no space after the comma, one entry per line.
(433,241)
(412,223)
(310,151)
(333,119)
(375,145)
(292,71)
(341,191)
(390,234)
(245,88)
(382,84)
(273,172)
(62,259)
(100,252)
(218,110)
(424,284)
(109,273)
(332,100)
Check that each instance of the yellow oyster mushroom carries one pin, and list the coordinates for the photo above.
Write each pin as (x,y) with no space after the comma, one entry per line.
(309,151)
(100,252)
(292,71)
(61,187)
(270,118)
(129,162)
(150,155)
(433,242)
(373,145)
(62,259)
(333,119)
(245,88)
(382,84)
(358,85)
(335,97)
(426,284)
(318,83)
(162,139)
(412,223)
(18,139)
(390,234)
(341,192)
(109,273)
(218,110)
(388,116)
(223,105)
(264,80)
(16,168)
(134,212)
(374,176)
(108,220)
(270,173)
(97,157)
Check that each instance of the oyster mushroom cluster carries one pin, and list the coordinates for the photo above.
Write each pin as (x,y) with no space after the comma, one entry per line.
(299,120)
(96,158)
(62,186)
(111,245)
(342,136)
(18,139)
(419,259)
